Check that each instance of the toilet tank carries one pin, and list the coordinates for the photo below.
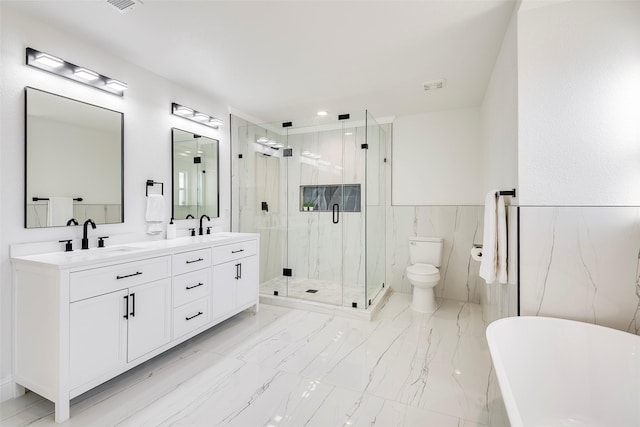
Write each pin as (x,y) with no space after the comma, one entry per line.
(425,250)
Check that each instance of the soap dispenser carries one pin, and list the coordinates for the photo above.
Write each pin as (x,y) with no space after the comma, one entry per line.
(171,230)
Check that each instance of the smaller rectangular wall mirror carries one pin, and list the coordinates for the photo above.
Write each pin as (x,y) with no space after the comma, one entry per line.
(73,161)
(195,175)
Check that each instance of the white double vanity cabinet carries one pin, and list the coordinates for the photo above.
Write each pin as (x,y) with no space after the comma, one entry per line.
(84,317)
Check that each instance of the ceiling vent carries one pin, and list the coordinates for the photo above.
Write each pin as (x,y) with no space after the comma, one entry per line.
(433,84)
(124,5)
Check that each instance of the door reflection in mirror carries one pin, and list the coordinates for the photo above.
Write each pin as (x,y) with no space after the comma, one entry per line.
(195,175)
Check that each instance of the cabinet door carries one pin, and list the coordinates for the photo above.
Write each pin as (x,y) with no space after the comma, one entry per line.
(98,336)
(247,281)
(224,289)
(149,324)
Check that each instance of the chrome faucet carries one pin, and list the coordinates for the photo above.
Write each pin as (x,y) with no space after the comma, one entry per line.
(85,239)
(200,229)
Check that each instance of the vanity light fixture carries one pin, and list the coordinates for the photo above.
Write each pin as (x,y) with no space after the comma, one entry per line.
(116,85)
(48,60)
(262,140)
(54,65)
(196,116)
(85,74)
(322,113)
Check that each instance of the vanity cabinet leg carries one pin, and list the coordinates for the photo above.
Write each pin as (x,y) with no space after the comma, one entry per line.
(62,411)
(256,308)
(18,390)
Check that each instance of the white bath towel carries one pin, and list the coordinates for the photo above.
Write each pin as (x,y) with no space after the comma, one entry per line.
(488,264)
(501,219)
(155,213)
(59,210)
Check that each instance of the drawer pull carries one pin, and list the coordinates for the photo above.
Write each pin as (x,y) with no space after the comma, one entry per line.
(194,286)
(194,316)
(195,260)
(137,273)
(239,250)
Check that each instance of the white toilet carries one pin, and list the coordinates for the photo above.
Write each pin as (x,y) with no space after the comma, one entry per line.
(425,256)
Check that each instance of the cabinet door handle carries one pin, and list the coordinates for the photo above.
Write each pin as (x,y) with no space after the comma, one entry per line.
(126,306)
(137,273)
(194,316)
(239,250)
(336,213)
(195,260)
(240,271)
(237,272)
(133,305)
(194,286)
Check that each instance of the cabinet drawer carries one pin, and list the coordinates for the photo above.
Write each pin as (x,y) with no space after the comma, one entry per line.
(190,317)
(191,286)
(226,253)
(190,261)
(98,281)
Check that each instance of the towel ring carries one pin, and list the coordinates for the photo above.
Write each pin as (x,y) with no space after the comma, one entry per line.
(151,183)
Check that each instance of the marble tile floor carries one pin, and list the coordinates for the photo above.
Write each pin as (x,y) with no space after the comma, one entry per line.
(287,367)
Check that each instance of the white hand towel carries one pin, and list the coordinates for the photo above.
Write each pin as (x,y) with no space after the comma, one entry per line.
(155,213)
(501,218)
(59,210)
(490,241)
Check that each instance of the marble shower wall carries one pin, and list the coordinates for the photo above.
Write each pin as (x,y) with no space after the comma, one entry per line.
(582,263)
(459,226)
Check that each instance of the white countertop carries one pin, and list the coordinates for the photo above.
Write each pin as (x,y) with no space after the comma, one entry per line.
(130,251)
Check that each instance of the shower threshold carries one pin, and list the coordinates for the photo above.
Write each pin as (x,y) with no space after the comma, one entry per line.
(330,298)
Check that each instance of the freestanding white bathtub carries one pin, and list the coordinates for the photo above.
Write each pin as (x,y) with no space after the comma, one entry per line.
(555,372)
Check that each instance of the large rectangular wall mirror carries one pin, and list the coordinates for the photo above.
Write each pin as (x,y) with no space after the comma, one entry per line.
(195,175)
(73,164)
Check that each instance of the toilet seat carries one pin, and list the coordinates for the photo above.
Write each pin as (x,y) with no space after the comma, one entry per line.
(423,273)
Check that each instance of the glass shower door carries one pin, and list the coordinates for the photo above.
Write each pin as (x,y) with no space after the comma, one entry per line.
(314,232)
(375,208)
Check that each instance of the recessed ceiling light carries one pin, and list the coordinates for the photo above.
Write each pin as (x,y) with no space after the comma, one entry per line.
(322,113)
(49,60)
(85,74)
(348,133)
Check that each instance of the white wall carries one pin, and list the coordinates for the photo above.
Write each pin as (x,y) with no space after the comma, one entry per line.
(147,133)
(499,117)
(579,103)
(437,158)
(579,157)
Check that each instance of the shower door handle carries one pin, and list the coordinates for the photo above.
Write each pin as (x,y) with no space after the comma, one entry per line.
(336,213)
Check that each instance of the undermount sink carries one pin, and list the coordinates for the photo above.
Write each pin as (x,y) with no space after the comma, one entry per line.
(118,249)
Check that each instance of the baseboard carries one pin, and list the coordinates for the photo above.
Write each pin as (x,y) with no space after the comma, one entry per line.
(6,389)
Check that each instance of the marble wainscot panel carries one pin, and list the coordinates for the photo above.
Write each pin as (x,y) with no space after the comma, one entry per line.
(459,226)
(581,263)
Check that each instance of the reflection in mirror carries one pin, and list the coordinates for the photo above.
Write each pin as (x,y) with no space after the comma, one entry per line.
(195,175)
(74,156)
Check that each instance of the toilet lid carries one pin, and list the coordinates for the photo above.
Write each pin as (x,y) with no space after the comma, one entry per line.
(422,269)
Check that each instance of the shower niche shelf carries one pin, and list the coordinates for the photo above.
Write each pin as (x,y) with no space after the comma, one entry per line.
(324,197)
